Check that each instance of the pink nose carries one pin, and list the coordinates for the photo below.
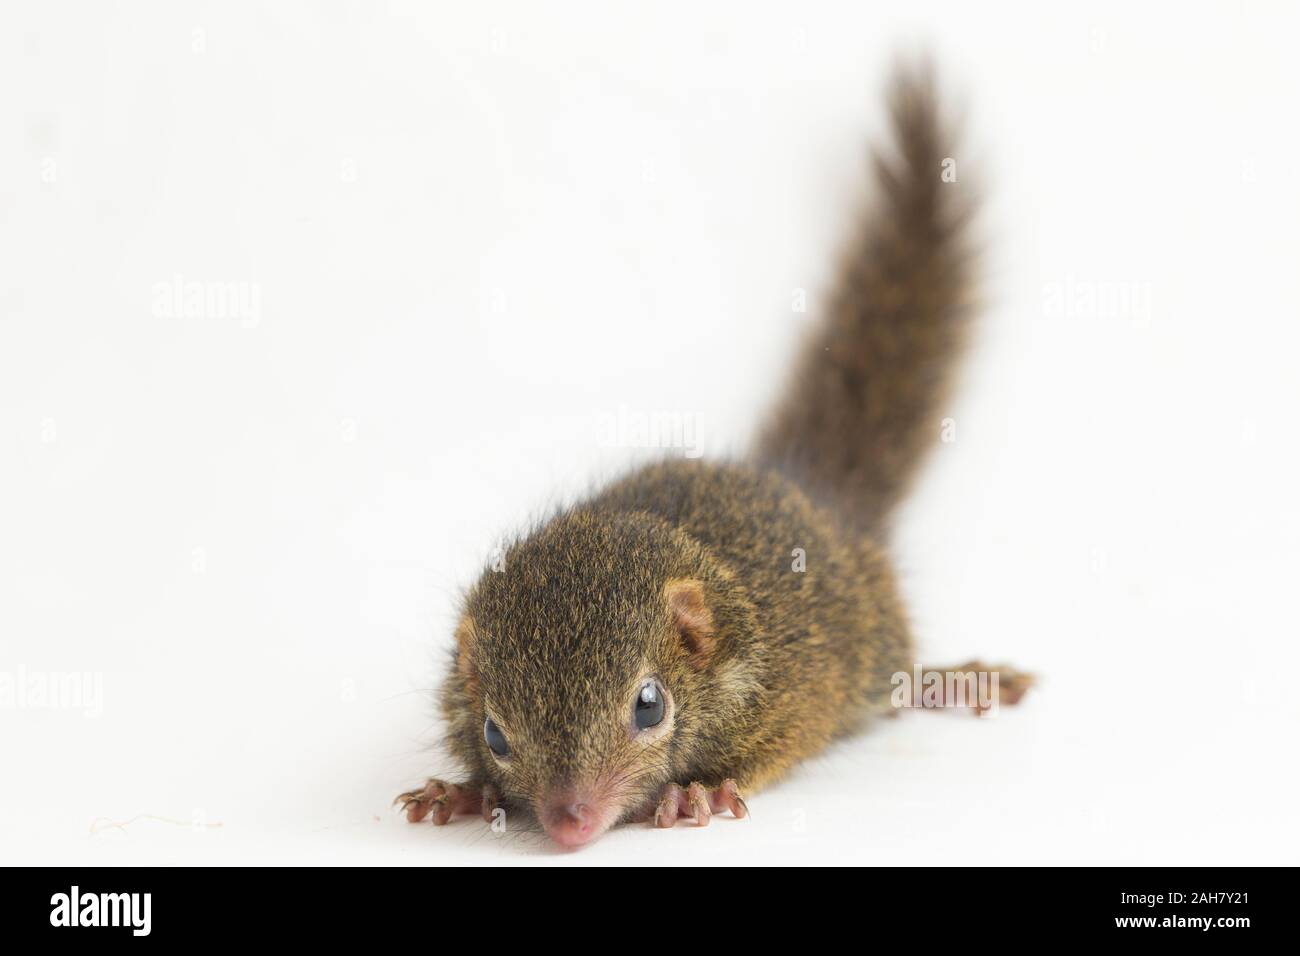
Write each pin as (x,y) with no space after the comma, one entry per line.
(571,824)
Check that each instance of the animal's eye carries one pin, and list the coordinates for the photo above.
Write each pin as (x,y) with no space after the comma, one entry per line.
(496,740)
(649,708)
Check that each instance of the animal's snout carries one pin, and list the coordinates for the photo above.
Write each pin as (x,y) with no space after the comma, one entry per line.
(572,820)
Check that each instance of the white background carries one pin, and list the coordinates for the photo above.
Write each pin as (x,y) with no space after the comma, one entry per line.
(476,234)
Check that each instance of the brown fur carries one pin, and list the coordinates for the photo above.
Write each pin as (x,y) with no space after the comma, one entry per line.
(685,570)
(863,401)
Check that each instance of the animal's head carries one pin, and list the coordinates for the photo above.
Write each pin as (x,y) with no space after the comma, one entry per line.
(595,664)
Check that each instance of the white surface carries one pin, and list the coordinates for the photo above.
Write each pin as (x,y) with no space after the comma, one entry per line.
(473,234)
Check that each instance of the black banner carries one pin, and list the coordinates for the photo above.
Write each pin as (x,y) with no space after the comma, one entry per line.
(233,905)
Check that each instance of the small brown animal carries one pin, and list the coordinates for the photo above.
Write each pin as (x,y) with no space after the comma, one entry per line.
(654,650)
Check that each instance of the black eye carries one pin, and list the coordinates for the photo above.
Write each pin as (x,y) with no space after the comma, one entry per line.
(496,740)
(649,708)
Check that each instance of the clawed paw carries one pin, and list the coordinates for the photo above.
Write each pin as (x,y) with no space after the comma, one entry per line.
(700,802)
(442,801)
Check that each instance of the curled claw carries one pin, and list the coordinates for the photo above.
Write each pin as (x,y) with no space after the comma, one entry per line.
(443,800)
(727,797)
(698,798)
(700,802)
(669,806)
(444,804)
(418,803)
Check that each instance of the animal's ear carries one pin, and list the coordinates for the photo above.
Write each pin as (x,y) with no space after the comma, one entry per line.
(692,618)
(466,648)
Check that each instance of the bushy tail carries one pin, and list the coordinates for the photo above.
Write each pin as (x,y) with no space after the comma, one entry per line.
(865,398)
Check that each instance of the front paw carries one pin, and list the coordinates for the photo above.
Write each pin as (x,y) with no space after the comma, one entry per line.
(699,801)
(445,800)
